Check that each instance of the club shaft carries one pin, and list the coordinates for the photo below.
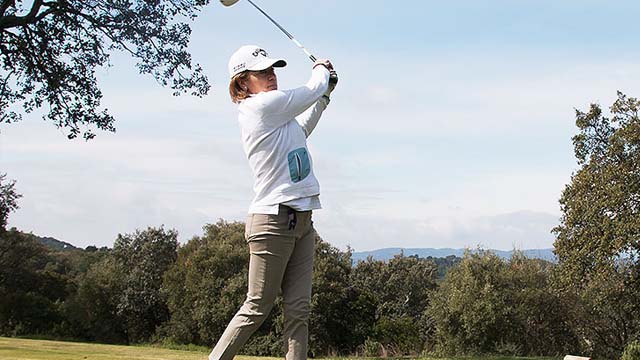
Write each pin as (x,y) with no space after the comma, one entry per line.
(313,58)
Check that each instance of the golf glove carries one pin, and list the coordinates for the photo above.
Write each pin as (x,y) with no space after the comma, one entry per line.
(333,81)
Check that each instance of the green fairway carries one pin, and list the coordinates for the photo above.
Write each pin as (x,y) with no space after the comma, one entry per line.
(25,349)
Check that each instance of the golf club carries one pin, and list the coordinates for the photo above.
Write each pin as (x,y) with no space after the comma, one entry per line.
(231,2)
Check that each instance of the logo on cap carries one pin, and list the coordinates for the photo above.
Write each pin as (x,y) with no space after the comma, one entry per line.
(259,51)
(239,66)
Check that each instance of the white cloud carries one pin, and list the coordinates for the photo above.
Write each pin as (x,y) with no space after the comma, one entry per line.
(452,98)
(87,192)
(521,230)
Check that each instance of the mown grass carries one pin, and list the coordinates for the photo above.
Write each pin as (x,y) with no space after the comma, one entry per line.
(28,349)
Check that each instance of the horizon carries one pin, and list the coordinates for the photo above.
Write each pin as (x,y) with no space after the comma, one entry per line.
(360,251)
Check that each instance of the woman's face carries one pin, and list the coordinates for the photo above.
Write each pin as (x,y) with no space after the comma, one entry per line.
(261,81)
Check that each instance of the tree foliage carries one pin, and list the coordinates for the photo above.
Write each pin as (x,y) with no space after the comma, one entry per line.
(149,289)
(600,225)
(50,50)
(8,200)
(401,289)
(144,256)
(92,311)
(487,305)
(605,311)
(632,351)
(598,239)
(31,286)
(207,284)
(341,314)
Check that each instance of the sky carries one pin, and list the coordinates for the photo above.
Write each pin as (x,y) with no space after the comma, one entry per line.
(450,127)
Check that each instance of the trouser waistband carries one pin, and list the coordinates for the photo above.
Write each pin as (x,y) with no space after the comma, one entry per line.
(291,213)
(289,209)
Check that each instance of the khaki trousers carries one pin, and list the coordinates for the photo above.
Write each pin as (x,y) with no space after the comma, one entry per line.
(281,259)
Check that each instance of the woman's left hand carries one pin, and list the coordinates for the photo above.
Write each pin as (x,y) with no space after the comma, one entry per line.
(324,62)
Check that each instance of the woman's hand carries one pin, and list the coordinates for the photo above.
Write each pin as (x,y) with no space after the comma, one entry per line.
(333,76)
(323,62)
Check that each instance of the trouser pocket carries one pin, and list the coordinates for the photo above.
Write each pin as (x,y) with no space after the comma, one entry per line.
(266,225)
(247,226)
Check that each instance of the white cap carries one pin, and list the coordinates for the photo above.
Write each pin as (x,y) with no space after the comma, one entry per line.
(253,58)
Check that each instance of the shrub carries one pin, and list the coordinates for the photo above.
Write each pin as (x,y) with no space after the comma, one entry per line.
(632,351)
(372,348)
(487,305)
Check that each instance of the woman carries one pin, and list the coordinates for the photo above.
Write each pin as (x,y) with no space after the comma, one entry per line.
(274,125)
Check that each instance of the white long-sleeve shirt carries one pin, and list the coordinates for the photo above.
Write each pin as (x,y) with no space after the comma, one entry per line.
(274,127)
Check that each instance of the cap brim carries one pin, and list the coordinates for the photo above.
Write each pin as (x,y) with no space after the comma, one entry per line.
(267,63)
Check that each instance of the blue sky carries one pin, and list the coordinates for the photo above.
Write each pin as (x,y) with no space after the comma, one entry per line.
(451,125)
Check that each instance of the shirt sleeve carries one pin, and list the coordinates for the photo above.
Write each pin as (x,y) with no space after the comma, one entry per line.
(278,107)
(309,119)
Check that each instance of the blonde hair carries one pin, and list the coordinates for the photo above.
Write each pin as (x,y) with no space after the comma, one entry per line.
(236,91)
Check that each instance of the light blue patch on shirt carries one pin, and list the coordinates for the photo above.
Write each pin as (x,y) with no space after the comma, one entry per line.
(299,164)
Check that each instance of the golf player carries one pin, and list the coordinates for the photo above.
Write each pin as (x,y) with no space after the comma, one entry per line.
(274,127)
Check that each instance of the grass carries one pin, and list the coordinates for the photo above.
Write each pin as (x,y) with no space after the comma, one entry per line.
(27,349)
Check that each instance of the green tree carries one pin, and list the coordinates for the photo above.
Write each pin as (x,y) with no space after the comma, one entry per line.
(601,206)
(606,312)
(486,305)
(8,200)
(92,311)
(444,264)
(541,315)
(402,290)
(597,241)
(469,309)
(342,315)
(145,257)
(31,287)
(207,284)
(51,49)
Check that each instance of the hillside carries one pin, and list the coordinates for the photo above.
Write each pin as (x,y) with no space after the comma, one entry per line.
(389,253)
(378,254)
(55,244)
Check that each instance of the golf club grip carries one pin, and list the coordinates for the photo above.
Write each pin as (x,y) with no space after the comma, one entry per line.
(313,58)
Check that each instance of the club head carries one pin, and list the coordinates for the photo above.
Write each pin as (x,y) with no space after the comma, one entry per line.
(228,2)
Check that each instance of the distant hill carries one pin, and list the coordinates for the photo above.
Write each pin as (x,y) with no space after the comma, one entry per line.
(389,253)
(55,244)
(379,254)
